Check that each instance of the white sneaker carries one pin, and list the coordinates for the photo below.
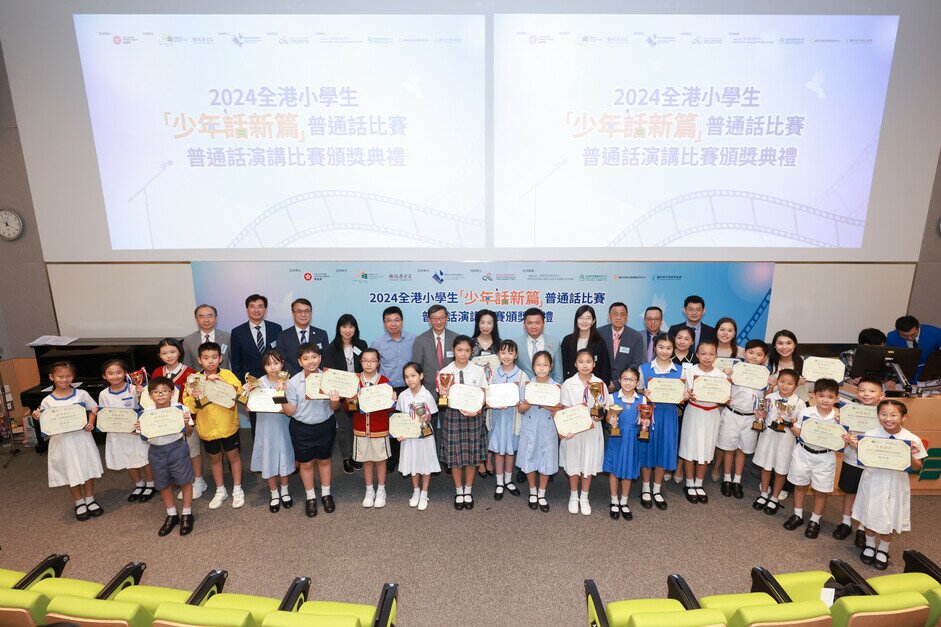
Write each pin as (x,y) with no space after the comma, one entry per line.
(573,505)
(412,502)
(220,495)
(584,506)
(422,503)
(783,495)
(667,476)
(199,486)
(380,499)
(238,498)
(370,499)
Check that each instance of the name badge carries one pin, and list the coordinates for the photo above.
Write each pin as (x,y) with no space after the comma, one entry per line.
(224,348)
(624,349)
(274,344)
(319,345)
(449,354)
(357,350)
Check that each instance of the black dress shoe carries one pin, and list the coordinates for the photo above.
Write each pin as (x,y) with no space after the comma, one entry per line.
(168,525)
(533,502)
(512,489)
(84,515)
(793,522)
(867,559)
(772,508)
(702,498)
(97,511)
(760,503)
(737,491)
(860,540)
(520,476)
(645,501)
(186,524)
(726,488)
(348,466)
(468,501)
(879,564)
(691,495)
(287,501)
(626,513)
(310,507)
(543,505)
(328,505)
(482,473)
(147,494)
(274,505)
(615,512)
(812,531)
(135,495)
(659,501)
(459,502)
(842,531)
(359,466)
(498,493)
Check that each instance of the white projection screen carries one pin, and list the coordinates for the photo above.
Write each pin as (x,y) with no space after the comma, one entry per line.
(693,131)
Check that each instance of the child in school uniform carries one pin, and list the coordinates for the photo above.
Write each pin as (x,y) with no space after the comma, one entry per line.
(506,421)
(869,392)
(539,439)
(169,458)
(622,452)
(774,448)
(883,502)
(272,453)
(736,437)
(700,425)
(125,451)
(660,452)
(417,456)
(72,459)
(812,466)
(463,439)
(313,430)
(371,445)
(218,427)
(581,455)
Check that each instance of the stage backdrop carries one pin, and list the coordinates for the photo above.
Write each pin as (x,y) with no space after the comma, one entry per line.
(739,290)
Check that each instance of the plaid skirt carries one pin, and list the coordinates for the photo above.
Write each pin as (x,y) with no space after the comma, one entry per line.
(463,440)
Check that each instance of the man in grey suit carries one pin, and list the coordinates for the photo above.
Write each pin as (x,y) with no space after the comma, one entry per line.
(206,321)
(434,349)
(534,340)
(625,345)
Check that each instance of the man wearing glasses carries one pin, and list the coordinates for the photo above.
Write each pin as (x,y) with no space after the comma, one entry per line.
(434,349)
(301,332)
(207,332)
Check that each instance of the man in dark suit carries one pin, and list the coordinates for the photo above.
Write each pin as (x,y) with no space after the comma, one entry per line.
(909,333)
(300,332)
(653,326)
(206,316)
(694,308)
(625,345)
(251,339)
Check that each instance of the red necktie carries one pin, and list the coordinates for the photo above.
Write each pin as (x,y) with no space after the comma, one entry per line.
(617,342)
(440,355)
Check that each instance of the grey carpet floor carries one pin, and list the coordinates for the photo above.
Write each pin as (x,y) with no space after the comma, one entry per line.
(500,564)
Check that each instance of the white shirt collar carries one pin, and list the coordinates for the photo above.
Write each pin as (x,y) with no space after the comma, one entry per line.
(656,367)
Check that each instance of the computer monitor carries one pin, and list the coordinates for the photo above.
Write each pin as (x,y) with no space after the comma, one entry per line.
(877,361)
(932,369)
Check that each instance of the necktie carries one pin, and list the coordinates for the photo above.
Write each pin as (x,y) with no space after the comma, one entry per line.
(460,376)
(440,354)
(914,343)
(649,346)
(303,336)
(617,342)
(207,338)
(259,341)
(532,351)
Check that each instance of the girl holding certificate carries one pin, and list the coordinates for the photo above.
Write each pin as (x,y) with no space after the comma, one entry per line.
(371,445)
(73,459)
(539,440)
(418,458)
(621,455)
(700,425)
(581,454)
(504,438)
(660,453)
(125,451)
(883,502)
(463,443)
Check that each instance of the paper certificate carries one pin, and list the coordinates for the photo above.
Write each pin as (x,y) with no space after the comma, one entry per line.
(503,395)
(262,399)
(664,390)
(544,394)
(724,363)
(822,434)
(63,419)
(375,398)
(469,398)
(157,422)
(346,383)
(573,420)
(823,368)
(404,426)
(312,385)
(752,376)
(859,418)
(219,392)
(712,389)
(484,361)
(887,453)
(116,419)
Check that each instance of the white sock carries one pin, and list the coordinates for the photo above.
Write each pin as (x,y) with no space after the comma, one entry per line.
(573,495)
(532,491)
(656,488)
(171,511)
(500,479)
(467,490)
(541,494)
(459,490)
(370,490)
(79,502)
(423,494)
(614,499)
(325,490)
(645,486)
(284,490)
(815,518)
(148,484)
(847,520)
(737,479)
(311,494)
(726,477)
(698,483)
(584,496)
(764,494)
(690,483)
(220,489)
(274,494)
(883,546)
(187,511)
(236,488)
(774,499)
(90,502)
(799,512)
(508,477)
(871,542)
(623,499)
(381,489)
(416,491)
(140,484)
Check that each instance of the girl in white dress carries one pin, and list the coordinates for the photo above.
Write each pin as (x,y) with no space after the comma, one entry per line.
(581,454)
(125,451)
(418,457)
(883,501)
(73,459)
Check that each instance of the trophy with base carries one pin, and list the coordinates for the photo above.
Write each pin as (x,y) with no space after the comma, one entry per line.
(761,406)
(138,377)
(195,382)
(280,397)
(595,389)
(614,410)
(243,395)
(644,419)
(421,412)
(352,404)
(445,378)
(782,419)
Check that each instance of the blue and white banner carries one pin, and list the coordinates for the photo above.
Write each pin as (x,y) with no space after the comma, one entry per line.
(739,290)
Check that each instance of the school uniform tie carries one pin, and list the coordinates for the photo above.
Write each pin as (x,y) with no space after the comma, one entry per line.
(303,336)
(259,341)
(440,354)
(460,376)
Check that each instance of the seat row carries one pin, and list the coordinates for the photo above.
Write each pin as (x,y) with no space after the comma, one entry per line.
(44,597)
(908,599)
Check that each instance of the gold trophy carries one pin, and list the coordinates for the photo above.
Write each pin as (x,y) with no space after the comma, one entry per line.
(595,389)
(280,397)
(782,417)
(421,412)
(445,378)
(614,410)
(243,395)
(195,382)
(761,406)
(352,403)
(644,412)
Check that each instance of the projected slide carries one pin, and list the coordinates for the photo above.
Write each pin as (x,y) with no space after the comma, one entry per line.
(687,130)
(264,131)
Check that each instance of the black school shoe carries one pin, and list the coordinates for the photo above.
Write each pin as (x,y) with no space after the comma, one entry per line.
(168,525)
(867,559)
(812,531)
(310,507)
(98,511)
(348,466)
(287,501)
(148,494)
(760,503)
(737,490)
(659,501)
(860,540)
(842,531)
(615,512)
(84,515)
(186,524)
(880,564)
(646,500)
(793,522)
(726,488)
(134,496)
(329,505)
